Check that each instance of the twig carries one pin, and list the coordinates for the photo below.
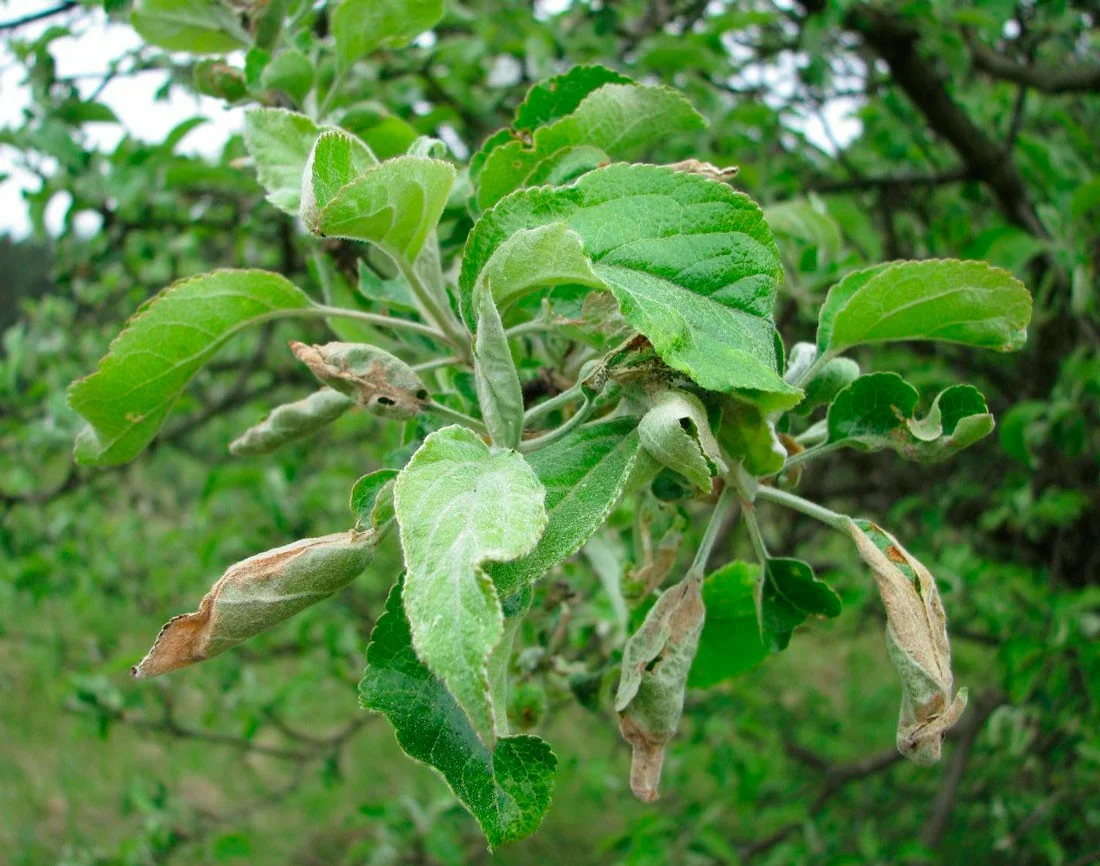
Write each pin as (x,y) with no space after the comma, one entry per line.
(41,15)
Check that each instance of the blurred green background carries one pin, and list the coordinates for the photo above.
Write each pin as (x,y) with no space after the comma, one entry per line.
(868,132)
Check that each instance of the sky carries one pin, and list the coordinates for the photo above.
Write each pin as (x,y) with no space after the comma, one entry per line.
(88,53)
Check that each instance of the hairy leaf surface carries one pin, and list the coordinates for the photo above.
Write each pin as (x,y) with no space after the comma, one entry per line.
(280,143)
(461,504)
(395,204)
(506,788)
(584,474)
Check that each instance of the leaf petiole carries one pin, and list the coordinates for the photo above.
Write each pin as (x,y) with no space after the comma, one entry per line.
(557,433)
(832,519)
(372,318)
(456,416)
(556,402)
(723,509)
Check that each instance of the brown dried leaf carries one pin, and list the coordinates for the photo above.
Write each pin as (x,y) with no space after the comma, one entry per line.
(706,169)
(916,633)
(656,663)
(377,380)
(257,593)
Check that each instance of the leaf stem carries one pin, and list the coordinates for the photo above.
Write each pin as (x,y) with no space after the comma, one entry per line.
(373,318)
(814,434)
(581,415)
(755,535)
(536,412)
(527,327)
(436,363)
(456,416)
(811,453)
(814,368)
(832,519)
(723,508)
(453,331)
(330,95)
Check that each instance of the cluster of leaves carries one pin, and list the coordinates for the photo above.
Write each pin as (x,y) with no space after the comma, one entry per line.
(650,291)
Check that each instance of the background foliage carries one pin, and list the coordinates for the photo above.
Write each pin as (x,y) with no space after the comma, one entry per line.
(978,140)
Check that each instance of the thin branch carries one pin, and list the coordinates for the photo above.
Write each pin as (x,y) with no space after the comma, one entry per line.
(892,182)
(41,15)
(1072,78)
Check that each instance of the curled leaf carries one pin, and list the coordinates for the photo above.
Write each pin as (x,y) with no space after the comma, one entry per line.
(375,379)
(656,663)
(291,421)
(916,634)
(257,593)
(676,432)
(705,169)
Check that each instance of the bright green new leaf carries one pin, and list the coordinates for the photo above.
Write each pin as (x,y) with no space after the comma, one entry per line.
(498,390)
(291,421)
(361,26)
(368,497)
(618,119)
(584,474)
(538,258)
(546,102)
(731,642)
(830,380)
(942,299)
(194,26)
(749,436)
(395,205)
(877,411)
(166,342)
(461,504)
(675,431)
(280,143)
(790,595)
(290,72)
(691,262)
(506,788)
(337,159)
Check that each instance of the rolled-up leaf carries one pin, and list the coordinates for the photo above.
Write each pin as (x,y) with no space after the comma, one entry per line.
(656,663)
(375,379)
(916,634)
(292,421)
(257,593)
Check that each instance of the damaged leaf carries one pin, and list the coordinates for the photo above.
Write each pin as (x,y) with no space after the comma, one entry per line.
(878,411)
(291,421)
(256,594)
(372,377)
(675,431)
(656,663)
(916,635)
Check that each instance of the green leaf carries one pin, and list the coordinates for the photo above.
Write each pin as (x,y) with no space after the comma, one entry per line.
(731,642)
(498,390)
(829,381)
(395,205)
(291,421)
(584,475)
(194,26)
(257,593)
(337,159)
(290,72)
(942,299)
(392,294)
(675,431)
(538,258)
(280,143)
(618,119)
(749,436)
(546,102)
(791,594)
(877,411)
(369,495)
(361,26)
(506,788)
(220,80)
(461,504)
(166,342)
(691,262)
